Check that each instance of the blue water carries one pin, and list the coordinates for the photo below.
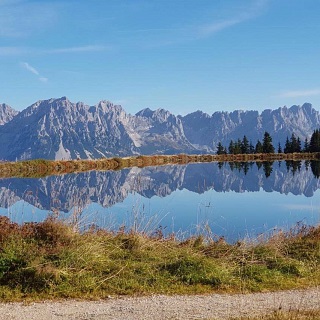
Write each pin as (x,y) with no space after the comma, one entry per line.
(185,200)
(232,215)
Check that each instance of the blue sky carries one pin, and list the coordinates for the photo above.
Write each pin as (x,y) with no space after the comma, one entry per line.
(181,55)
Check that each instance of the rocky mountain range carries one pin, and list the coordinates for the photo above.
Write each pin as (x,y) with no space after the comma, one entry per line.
(60,129)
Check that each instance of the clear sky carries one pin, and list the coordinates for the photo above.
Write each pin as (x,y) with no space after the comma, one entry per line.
(181,55)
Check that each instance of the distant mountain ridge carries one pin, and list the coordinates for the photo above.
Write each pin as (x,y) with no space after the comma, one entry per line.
(60,129)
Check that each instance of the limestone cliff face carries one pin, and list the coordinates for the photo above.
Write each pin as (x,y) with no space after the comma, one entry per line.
(206,131)
(6,113)
(60,129)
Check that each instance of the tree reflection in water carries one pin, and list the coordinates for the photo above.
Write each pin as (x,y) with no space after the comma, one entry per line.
(291,165)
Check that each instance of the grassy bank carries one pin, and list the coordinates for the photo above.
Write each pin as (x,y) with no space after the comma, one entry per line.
(42,168)
(52,259)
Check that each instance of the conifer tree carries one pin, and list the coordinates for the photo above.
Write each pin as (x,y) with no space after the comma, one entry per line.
(237,147)
(287,146)
(220,148)
(267,145)
(251,148)
(306,146)
(298,146)
(231,147)
(259,148)
(292,145)
(315,141)
(245,145)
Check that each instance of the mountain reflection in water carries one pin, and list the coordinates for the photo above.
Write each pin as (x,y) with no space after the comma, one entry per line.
(107,189)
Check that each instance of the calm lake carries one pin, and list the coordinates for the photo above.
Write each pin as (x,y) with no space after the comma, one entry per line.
(235,200)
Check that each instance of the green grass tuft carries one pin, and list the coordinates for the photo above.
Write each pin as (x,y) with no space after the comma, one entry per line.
(52,259)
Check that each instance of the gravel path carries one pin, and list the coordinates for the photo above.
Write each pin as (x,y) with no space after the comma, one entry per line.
(215,306)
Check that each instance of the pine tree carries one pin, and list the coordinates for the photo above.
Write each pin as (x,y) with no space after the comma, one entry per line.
(231,147)
(220,148)
(298,146)
(306,146)
(279,148)
(245,145)
(251,148)
(267,145)
(315,141)
(293,143)
(237,147)
(287,146)
(259,148)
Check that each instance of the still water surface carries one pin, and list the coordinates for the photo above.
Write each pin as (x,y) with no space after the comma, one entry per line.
(234,200)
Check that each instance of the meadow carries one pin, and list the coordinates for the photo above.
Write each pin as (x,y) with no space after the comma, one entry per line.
(55,259)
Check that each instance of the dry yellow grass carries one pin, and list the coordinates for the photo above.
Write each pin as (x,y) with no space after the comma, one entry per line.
(41,167)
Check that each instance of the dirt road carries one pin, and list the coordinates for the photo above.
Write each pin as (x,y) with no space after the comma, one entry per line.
(215,306)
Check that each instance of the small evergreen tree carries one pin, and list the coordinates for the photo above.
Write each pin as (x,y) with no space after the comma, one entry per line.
(267,145)
(237,147)
(292,145)
(245,145)
(287,146)
(315,141)
(220,148)
(231,147)
(259,148)
(306,146)
(295,144)
(251,148)
(279,148)
(298,145)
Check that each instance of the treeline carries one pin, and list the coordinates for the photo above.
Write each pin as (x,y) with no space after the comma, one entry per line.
(292,144)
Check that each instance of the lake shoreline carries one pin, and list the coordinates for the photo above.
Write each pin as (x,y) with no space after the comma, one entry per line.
(43,168)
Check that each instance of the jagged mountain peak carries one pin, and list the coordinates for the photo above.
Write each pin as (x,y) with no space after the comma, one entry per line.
(161,115)
(6,113)
(107,106)
(146,112)
(307,106)
(43,106)
(197,114)
(295,108)
(5,106)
